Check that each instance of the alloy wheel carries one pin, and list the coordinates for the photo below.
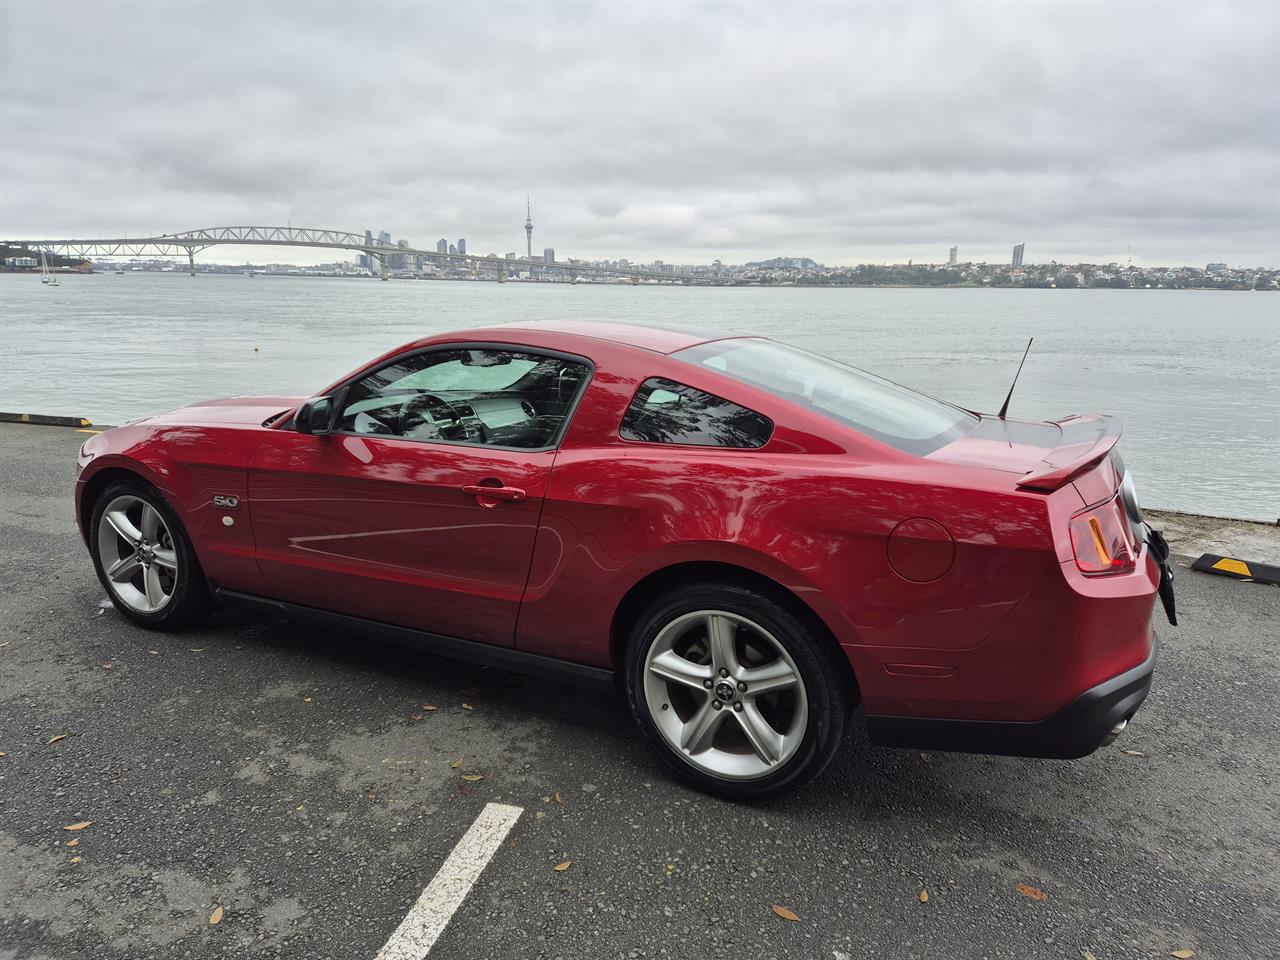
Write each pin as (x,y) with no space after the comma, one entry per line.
(137,553)
(725,694)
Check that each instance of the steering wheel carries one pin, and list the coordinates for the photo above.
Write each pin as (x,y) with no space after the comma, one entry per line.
(422,409)
(450,422)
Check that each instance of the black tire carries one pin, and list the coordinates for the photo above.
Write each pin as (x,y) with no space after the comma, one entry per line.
(827,687)
(190,598)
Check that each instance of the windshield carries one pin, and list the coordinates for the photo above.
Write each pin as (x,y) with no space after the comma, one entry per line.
(874,406)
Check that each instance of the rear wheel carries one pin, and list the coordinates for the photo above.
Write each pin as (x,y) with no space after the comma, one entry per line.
(737,694)
(144,557)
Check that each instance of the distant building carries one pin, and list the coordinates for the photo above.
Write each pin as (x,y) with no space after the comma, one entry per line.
(953,257)
(452,249)
(511,256)
(1215,267)
(462,248)
(1017,254)
(549,255)
(384,239)
(442,245)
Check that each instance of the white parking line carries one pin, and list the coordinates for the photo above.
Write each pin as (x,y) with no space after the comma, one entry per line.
(427,918)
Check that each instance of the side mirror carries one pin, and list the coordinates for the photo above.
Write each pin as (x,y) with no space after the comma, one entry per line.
(315,416)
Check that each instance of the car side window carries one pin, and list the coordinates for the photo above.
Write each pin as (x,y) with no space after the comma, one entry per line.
(664,411)
(491,397)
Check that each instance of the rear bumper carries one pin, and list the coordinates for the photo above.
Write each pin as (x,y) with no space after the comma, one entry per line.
(1074,731)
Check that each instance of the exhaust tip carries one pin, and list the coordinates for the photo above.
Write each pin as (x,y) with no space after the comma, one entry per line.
(1115,732)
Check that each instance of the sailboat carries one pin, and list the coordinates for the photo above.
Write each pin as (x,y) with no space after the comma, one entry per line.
(45,276)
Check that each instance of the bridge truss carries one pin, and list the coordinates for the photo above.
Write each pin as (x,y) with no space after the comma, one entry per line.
(192,242)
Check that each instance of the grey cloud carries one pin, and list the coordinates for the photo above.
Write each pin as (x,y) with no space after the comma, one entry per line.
(675,131)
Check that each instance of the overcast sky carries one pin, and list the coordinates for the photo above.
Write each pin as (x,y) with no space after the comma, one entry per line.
(847,133)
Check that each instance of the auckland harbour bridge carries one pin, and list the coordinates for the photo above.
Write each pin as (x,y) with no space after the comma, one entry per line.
(193,241)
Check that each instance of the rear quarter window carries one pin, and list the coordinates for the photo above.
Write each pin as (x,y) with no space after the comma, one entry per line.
(878,408)
(664,411)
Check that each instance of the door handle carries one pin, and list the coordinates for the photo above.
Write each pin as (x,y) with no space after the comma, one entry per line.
(484,492)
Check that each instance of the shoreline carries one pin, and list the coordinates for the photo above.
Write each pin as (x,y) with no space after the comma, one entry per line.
(676,281)
(1190,535)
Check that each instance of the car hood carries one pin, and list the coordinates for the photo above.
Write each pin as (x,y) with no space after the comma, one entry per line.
(230,410)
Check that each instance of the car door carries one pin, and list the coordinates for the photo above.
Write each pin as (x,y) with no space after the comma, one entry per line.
(421,506)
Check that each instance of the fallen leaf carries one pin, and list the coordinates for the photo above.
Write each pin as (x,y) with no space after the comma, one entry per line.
(671,868)
(1031,893)
(539,814)
(106,666)
(416,716)
(924,757)
(215,918)
(924,896)
(75,859)
(1135,753)
(73,841)
(784,913)
(78,826)
(197,649)
(55,739)
(562,867)
(457,763)
(467,706)
(306,699)
(430,707)
(1183,954)
(154,653)
(3,754)
(1087,954)
(557,798)
(472,777)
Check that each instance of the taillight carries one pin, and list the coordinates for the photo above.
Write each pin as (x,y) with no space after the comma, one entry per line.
(1100,539)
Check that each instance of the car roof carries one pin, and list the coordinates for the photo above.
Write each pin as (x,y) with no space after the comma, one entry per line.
(657,337)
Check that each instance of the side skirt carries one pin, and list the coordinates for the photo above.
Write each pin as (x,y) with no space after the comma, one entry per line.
(505,658)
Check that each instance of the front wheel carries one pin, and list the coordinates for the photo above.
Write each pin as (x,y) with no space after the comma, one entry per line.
(738,694)
(144,557)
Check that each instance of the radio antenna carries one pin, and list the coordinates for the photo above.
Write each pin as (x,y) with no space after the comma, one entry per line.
(1005,408)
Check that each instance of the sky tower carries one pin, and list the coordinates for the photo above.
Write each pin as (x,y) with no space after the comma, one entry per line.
(528,227)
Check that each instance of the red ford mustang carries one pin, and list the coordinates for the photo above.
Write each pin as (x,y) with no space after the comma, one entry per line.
(749,538)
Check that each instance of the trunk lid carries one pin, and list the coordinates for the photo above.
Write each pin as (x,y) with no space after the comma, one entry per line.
(1044,454)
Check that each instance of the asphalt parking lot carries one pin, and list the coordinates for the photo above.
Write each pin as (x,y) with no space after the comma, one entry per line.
(296,779)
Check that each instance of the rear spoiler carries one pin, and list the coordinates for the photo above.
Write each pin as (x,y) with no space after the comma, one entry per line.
(1085,441)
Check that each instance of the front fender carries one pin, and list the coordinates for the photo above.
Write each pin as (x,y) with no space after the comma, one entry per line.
(189,465)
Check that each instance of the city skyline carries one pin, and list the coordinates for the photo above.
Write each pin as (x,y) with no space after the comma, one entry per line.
(850,135)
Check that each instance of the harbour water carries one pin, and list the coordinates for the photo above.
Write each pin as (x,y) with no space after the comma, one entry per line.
(1194,376)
